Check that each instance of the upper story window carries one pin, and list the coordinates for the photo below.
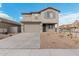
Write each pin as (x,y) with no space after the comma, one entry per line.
(49,15)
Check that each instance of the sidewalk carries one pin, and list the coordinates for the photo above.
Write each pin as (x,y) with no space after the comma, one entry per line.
(39,52)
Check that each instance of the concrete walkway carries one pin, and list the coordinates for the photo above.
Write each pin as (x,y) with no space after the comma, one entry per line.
(39,52)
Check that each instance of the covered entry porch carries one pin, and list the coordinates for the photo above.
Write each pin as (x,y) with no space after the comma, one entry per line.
(47,27)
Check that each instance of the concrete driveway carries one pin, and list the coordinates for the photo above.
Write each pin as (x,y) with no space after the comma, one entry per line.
(22,40)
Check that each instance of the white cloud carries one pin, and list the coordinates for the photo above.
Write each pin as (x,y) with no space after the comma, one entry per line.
(68,18)
(21,18)
(5,16)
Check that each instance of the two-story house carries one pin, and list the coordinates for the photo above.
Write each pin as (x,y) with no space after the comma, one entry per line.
(42,21)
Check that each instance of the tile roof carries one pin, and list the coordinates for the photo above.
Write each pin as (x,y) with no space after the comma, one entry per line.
(9,21)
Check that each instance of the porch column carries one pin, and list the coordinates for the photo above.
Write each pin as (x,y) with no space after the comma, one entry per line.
(22,28)
(54,27)
(57,27)
(41,27)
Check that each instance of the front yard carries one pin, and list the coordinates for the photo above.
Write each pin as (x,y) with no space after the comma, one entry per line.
(58,40)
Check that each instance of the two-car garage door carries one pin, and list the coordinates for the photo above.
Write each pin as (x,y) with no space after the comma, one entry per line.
(32,27)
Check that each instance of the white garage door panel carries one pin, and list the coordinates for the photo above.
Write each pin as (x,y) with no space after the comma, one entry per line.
(32,28)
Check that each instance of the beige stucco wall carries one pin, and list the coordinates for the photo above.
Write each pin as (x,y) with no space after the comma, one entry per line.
(32,17)
(40,17)
(26,17)
(53,20)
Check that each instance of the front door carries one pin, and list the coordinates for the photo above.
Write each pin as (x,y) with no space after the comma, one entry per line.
(44,27)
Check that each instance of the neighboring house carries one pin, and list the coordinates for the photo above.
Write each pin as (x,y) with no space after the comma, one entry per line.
(64,28)
(74,27)
(42,21)
(8,26)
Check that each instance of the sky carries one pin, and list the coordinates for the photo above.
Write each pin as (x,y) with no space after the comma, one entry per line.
(69,11)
